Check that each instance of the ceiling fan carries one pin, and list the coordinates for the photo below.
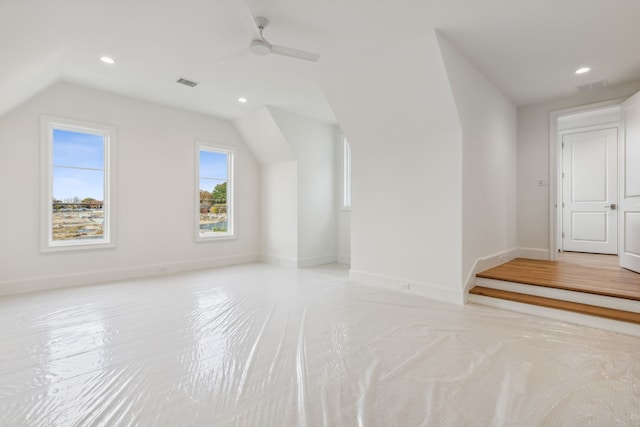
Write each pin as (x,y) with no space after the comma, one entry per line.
(259,45)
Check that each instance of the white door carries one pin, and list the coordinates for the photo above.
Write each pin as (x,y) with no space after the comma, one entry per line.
(630,183)
(590,191)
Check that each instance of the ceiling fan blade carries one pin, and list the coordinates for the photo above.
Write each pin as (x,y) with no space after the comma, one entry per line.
(295,53)
(234,56)
(245,15)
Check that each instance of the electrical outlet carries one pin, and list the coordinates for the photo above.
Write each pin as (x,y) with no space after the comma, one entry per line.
(405,286)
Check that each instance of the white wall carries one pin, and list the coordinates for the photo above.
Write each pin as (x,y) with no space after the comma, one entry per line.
(155,192)
(406,214)
(533,164)
(279,213)
(407,165)
(434,167)
(488,120)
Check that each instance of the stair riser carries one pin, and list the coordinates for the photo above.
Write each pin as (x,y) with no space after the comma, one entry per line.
(561,315)
(561,294)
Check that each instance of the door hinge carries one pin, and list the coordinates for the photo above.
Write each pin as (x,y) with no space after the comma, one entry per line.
(563,174)
(563,145)
(563,204)
(563,235)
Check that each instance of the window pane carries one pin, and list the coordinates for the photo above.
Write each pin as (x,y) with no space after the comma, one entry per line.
(78,193)
(213,165)
(213,206)
(213,183)
(71,184)
(77,209)
(346,176)
(80,150)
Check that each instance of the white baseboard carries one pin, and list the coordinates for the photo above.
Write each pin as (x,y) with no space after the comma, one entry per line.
(428,290)
(562,315)
(532,253)
(43,283)
(297,262)
(496,259)
(279,260)
(486,263)
(310,262)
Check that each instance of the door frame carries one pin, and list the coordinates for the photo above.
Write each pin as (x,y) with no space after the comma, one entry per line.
(555,169)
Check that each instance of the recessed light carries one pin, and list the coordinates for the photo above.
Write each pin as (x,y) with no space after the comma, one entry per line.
(583,70)
(107,60)
(242,99)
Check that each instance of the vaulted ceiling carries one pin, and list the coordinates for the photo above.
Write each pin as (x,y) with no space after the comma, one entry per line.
(530,50)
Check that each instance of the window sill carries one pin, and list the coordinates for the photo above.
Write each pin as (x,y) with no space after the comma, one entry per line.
(76,246)
(214,237)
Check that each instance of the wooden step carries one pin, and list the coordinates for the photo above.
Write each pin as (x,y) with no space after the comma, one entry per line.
(593,278)
(604,312)
(587,298)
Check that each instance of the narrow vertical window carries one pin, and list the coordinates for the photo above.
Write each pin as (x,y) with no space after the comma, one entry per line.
(346,174)
(214,193)
(76,188)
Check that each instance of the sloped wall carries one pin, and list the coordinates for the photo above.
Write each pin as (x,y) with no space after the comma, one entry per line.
(264,137)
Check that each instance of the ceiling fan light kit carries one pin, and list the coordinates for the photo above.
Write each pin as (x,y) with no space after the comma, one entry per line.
(260,47)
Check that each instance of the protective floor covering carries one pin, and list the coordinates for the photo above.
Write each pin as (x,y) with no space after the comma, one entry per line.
(258,345)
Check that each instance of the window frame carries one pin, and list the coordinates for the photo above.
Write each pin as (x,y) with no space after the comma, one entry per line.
(346,175)
(47,125)
(231,156)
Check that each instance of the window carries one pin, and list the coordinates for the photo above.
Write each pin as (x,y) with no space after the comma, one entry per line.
(346,174)
(214,192)
(77,208)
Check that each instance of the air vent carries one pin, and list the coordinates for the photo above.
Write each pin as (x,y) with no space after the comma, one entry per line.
(593,86)
(187,82)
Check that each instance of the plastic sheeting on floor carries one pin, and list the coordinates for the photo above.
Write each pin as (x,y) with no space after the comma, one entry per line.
(259,345)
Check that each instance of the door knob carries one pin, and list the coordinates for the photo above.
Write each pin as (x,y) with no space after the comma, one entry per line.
(612,206)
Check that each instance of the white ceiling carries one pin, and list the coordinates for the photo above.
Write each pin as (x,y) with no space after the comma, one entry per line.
(528,49)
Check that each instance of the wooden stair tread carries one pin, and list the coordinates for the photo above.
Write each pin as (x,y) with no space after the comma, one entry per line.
(609,313)
(612,281)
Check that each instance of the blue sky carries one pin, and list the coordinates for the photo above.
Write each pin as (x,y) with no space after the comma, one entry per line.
(79,150)
(213,169)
